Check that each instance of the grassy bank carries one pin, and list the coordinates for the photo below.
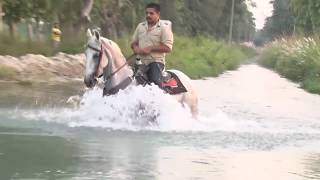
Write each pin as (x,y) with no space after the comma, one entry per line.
(296,59)
(18,47)
(201,56)
(197,57)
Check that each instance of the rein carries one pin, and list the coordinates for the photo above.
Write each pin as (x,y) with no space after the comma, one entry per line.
(113,73)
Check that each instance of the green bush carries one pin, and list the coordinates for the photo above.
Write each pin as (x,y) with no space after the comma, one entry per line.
(295,59)
(201,56)
(17,47)
(269,57)
(73,45)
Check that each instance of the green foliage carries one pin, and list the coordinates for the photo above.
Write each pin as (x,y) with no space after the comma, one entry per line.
(119,18)
(281,23)
(270,56)
(248,51)
(294,16)
(73,45)
(298,60)
(18,47)
(307,16)
(201,56)
(197,18)
(312,85)
(16,9)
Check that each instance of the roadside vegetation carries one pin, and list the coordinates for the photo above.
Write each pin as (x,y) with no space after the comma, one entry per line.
(296,59)
(293,44)
(202,56)
(15,46)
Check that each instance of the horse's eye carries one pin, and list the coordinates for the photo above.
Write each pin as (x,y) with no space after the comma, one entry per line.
(96,56)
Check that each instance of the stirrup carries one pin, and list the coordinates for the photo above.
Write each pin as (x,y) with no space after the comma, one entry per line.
(166,76)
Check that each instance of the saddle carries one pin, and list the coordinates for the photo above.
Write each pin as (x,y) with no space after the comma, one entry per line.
(170,82)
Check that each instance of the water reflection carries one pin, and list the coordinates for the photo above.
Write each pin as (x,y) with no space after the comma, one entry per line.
(37,94)
(289,164)
(24,155)
(118,155)
(312,166)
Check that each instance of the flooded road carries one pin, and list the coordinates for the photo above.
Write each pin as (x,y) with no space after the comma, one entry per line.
(253,124)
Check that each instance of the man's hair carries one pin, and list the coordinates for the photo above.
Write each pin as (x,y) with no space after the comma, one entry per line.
(154,6)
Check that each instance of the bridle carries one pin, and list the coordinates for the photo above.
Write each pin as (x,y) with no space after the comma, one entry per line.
(101,50)
(109,90)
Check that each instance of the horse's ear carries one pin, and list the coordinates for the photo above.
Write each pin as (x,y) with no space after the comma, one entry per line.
(97,34)
(89,33)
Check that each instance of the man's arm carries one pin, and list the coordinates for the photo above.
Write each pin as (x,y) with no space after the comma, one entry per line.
(135,48)
(147,50)
(135,42)
(162,48)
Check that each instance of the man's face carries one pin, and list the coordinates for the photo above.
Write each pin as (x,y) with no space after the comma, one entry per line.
(152,16)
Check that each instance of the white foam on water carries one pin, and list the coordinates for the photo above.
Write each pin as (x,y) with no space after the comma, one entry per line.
(148,108)
(135,108)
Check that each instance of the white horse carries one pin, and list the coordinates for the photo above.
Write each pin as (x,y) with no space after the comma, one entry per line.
(104,58)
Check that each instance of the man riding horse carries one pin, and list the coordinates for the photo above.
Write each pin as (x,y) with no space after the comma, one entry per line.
(152,39)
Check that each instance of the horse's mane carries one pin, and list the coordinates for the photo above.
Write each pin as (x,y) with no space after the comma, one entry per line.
(115,51)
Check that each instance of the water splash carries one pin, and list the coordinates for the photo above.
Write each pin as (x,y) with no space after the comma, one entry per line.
(135,108)
(148,108)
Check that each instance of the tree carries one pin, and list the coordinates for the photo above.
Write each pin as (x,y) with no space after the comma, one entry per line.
(14,10)
(168,11)
(281,23)
(118,18)
(231,22)
(1,16)
(307,16)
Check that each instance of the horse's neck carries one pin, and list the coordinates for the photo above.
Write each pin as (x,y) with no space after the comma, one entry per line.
(117,61)
(117,56)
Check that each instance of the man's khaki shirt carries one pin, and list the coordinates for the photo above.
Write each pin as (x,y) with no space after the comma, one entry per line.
(159,33)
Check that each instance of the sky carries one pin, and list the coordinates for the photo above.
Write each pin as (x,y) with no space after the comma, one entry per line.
(261,12)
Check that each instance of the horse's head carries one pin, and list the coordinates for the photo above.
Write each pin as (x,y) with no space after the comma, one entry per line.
(95,58)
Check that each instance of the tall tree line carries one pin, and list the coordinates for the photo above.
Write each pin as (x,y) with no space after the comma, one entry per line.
(118,18)
(293,17)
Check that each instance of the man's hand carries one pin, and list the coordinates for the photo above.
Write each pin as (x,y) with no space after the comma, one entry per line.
(137,50)
(146,50)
